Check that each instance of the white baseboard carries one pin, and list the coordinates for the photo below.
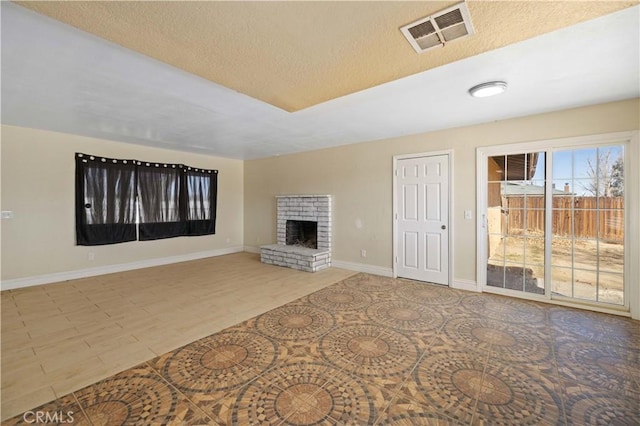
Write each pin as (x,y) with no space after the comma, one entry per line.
(361,267)
(465,285)
(460,284)
(352,266)
(109,269)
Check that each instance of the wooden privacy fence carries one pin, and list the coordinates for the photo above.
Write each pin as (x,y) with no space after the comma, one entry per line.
(592,217)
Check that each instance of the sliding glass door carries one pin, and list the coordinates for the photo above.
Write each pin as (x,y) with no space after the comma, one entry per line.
(587,249)
(552,223)
(515,221)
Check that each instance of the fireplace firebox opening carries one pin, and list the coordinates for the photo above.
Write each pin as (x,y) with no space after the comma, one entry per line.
(302,233)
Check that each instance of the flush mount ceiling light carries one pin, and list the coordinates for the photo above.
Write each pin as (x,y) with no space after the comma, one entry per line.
(490,88)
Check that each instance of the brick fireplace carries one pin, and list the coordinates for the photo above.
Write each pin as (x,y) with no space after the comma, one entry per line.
(303,233)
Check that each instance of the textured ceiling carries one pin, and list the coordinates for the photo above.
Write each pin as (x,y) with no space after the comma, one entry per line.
(58,78)
(294,55)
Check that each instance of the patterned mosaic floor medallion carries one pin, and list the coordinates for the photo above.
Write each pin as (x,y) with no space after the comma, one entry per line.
(428,294)
(241,347)
(198,369)
(602,367)
(419,420)
(508,343)
(303,394)
(369,283)
(584,406)
(596,327)
(206,373)
(367,351)
(64,410)
(341,299)
(375,350)
(404,315)
(136,396)
(448,381)
(505,309)
(405,412)
(509,396)
(110,412)
(295,322)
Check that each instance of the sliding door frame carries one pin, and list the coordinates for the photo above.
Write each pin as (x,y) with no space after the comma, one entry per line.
(630,141)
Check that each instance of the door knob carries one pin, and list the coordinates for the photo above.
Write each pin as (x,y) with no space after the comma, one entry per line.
(443,227)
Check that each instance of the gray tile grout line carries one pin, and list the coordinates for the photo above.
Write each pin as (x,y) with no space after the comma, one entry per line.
(82,408)
(178,391)
(257,374)
(560,389)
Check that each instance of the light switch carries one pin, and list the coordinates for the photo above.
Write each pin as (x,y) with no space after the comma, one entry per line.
(468,214)
(7,214)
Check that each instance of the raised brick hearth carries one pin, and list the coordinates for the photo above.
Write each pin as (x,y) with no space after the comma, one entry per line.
(312,208)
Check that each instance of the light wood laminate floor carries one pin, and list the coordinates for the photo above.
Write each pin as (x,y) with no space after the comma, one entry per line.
(59,338)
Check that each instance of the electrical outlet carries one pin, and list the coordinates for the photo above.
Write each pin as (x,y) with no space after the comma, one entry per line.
(363,253)
(7,214)
(468,214)
(91,256)
(228,240)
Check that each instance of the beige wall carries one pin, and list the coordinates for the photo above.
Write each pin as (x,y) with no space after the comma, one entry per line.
(360,179)
(38,186)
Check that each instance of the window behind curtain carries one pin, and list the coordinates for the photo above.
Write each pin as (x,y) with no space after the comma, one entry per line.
(201,193)
(161,194)
(172,200)
(105,200)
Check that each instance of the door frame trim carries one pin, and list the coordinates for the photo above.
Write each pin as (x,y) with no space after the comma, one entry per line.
(394,215)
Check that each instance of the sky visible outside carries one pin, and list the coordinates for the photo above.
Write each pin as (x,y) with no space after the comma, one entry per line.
(571,166)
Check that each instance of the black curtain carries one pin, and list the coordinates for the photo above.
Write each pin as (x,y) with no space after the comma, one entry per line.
(201,195)
(172,200)
(161,201)
(105,200)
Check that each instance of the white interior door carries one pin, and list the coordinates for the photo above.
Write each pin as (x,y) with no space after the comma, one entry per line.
(422,219)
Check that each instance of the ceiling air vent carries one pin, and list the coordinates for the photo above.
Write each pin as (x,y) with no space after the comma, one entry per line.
(439,29)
